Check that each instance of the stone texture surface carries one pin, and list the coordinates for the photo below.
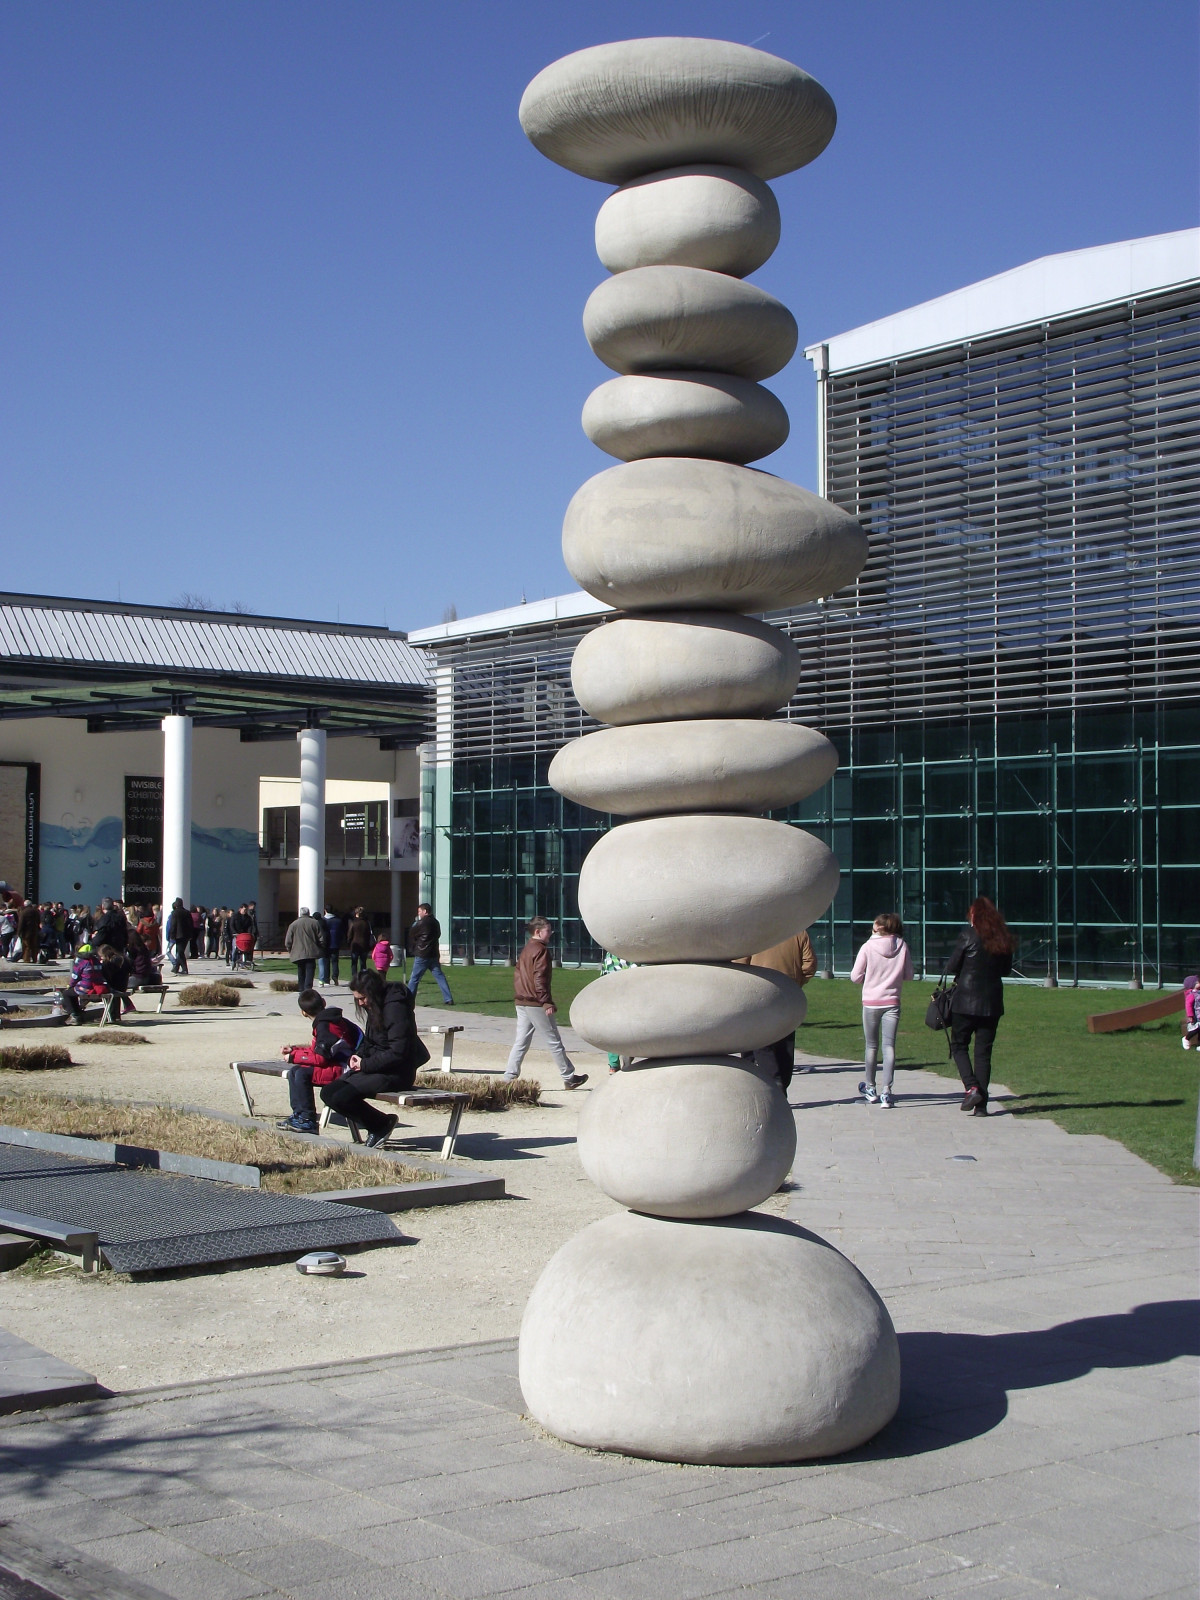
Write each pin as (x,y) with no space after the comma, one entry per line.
(615,111)
(684,1007)
(685,414)
(672,533)
(796,1351)
(688,1137)
(703,888)
(719,218)
(718,764)
(683,664)
(1045,1296)
(654,319)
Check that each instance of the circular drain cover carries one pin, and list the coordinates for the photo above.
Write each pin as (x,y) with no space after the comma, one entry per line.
(322,1263)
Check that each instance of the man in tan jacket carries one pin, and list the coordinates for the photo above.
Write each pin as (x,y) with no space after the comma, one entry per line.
(536,1008)
(795,959)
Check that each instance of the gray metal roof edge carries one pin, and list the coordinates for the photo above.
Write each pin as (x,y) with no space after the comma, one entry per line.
(513,619)
(242,619)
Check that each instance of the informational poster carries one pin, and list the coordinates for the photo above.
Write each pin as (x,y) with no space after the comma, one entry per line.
(20,784)
(143,841)
(406,836)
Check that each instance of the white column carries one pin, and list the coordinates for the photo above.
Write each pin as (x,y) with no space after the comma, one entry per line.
(177,812)
(311,877)
(397,934)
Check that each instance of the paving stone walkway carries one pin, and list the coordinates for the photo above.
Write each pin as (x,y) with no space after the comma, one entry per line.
(1045,1293)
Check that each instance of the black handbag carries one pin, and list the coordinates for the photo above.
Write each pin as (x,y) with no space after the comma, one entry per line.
(938,1012)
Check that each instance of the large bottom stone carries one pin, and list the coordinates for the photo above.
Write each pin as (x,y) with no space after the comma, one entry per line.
(741,1341)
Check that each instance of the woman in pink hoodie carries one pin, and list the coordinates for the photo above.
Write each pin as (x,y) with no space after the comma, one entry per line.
(881,966)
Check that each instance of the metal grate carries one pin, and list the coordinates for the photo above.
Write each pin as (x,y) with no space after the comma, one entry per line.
(149,1221)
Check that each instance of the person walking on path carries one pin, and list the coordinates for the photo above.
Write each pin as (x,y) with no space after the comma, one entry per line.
(29,931)
(980,959)
(425,947)
(179,934)
(796,960)
(304,942)
(536,1008)
(387,1059)
(149,931)
(882,966)
(112,927)
(335,929)
(359,941)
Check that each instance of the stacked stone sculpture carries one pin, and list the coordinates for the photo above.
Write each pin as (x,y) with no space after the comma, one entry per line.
(689,1327)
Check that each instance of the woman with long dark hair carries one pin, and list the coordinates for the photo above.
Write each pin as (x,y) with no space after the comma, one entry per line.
(387,1059)
(981,958)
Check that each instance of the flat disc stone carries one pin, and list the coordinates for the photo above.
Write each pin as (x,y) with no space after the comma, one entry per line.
(710,764)
(616,111)
(720,218)
(683,664)
(703,888)
(674,532)
(710,414)
(736,1342)
(710,1008)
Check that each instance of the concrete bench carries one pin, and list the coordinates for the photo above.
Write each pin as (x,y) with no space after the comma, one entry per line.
(455,1099)
(447,1035)
(110,1004)
(84,1242)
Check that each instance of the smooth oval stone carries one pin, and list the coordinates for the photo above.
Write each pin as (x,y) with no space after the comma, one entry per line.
(714,217)
(703,888)
(653,319)
(685,414)
(735,1342)
(690,1138)
(683,664)
(716,764)
(670,533)
(687,1006)
(616,110)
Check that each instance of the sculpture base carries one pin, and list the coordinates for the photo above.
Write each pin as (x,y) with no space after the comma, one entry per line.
(733,1342)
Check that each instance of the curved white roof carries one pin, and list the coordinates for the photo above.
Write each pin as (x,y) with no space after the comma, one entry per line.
(1052,286)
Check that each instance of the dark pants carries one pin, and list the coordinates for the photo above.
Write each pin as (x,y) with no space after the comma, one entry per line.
(784,1051)
(180,956)
(962,1027)
(306,971)
(349,1096)
(300,1092)
(359,961)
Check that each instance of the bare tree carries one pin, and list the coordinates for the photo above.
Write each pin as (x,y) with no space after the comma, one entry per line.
(450,614)
(187,601)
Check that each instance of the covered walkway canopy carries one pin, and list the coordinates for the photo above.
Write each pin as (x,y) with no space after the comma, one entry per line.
(125,667)
(129,668)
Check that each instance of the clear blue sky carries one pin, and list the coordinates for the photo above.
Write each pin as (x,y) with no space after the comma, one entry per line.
(290,308)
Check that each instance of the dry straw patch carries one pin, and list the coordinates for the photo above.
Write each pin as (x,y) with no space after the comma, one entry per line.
(288,1166)
(209,994)
(117,1035)
(487,1094)
(34,1057)
(284,985)
(235,983)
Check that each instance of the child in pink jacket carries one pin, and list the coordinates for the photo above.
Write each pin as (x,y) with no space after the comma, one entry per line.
(382,957)
(881,966)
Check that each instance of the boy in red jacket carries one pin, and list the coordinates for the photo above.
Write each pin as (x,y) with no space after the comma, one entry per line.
(334,1041)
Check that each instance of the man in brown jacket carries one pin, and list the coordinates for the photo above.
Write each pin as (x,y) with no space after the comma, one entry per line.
(29,927)
(795,959)
(536,1008)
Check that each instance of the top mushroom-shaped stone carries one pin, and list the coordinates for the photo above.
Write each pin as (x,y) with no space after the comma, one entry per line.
(617,111)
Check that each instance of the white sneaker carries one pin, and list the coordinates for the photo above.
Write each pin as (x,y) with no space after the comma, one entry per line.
(886,1100)
(869,1093)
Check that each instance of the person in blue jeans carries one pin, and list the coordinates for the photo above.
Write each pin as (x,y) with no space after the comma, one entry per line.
(425,947)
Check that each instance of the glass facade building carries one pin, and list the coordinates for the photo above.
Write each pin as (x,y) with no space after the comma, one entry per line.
(1013,683)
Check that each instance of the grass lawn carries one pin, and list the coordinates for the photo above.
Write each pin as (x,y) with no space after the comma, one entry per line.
(1138,1087)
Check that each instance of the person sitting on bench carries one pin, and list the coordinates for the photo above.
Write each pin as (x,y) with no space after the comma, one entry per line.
(114,975)
(386,1061)
(334,1041)
(85,986)
(143,966)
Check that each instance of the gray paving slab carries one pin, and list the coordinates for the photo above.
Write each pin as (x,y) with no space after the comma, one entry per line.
(1046,1299)
(31,1378)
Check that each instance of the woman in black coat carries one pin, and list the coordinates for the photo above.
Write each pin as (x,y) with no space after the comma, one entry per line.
(981,958)
(387,1058)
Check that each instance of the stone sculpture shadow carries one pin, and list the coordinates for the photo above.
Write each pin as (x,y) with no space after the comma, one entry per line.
(955,1386)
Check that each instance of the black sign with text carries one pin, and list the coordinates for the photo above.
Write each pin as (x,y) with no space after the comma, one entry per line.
(143,841)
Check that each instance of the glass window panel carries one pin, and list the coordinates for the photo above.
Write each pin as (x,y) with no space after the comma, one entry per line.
(947,789)
(874,793)
(1104,895)
(1105,838)
(1022,786)
(948,842)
